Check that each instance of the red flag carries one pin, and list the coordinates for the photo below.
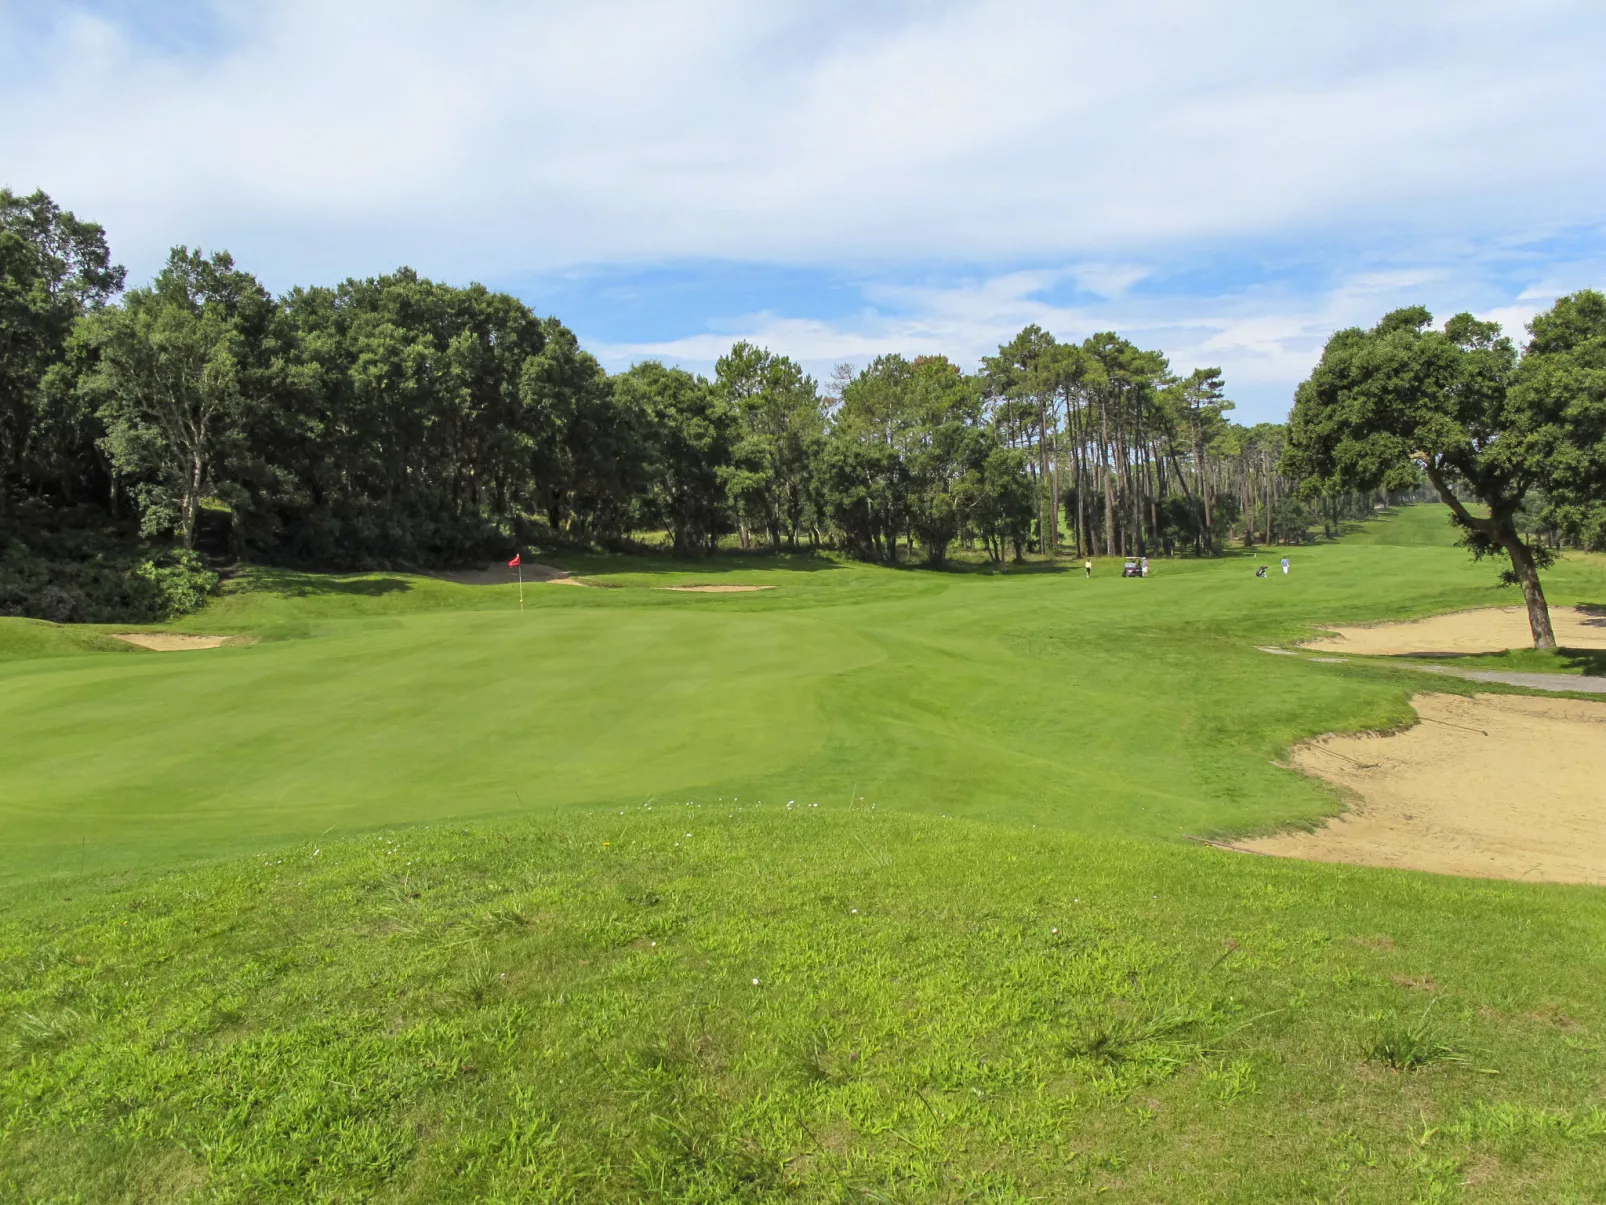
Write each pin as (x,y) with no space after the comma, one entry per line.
(513,564)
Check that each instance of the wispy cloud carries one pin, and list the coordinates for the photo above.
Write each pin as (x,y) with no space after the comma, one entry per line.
(1265,336)
(1073,154)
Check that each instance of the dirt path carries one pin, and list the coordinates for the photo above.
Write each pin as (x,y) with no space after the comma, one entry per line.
(1493,786)
(171,642)
(1489,630)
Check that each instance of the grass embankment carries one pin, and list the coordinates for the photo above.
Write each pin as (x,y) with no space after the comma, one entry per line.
(390,1013)
(760,1004)
(1108,706)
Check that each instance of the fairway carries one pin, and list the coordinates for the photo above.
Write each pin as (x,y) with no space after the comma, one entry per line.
(1109,706)
(868,886)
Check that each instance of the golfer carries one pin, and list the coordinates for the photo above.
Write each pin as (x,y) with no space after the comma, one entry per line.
(1285,566)
(1087,567)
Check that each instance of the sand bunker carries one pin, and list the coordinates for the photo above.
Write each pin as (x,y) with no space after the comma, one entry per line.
(1490,630)
(1494,786)
(715,589)
(535,574)
(171,642)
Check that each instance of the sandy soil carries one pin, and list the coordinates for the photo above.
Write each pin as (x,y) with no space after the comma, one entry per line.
(535,574)
(1493,786)
(715,589)
(1490,630)
(171,642)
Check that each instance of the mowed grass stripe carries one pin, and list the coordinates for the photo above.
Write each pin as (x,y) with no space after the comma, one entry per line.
(1109,706)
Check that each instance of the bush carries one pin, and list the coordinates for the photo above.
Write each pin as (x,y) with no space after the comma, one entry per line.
(180,582)
(89,573)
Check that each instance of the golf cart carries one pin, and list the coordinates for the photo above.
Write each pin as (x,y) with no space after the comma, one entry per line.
(1136,566)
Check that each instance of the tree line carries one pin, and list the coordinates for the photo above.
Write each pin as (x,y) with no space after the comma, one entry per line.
(397,422)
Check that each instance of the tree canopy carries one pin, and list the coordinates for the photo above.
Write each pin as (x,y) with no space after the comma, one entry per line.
(1562,378)
(400,422)
(1402,399)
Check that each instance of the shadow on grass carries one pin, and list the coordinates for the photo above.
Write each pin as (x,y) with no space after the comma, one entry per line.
(292,584)
(712,564)
(1589,662)
(1585,661)
(1103,566)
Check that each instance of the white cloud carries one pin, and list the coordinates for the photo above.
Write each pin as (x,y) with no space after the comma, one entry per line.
(1109,280)
(1080,142)
(337,137)
(1265,339)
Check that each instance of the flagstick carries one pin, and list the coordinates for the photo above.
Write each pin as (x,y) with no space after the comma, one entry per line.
(521,583)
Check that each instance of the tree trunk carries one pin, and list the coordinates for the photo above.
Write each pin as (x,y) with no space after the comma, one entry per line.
(1522,563)
(191,501)
(1104,478)
(1504,532)
(1045,538)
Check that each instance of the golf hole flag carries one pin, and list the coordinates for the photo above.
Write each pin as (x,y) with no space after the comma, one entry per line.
(514,563)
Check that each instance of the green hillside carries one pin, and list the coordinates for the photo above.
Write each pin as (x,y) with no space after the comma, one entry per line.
(1108,706)
(870,886)
(1422,525)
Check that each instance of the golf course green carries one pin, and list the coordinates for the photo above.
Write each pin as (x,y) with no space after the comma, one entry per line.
(1110,705)
(873,885)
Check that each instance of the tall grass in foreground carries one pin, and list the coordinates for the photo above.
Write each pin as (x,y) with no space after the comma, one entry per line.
(712,1003)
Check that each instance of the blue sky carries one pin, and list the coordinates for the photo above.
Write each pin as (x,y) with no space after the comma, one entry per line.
(1226,182)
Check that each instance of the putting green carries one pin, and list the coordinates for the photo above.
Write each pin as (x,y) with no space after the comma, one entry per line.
(1042,698)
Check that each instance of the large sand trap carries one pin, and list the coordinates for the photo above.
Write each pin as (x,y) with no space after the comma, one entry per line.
(1495,786)
(171,642)
(1490,630)
(535,574)
(715,589)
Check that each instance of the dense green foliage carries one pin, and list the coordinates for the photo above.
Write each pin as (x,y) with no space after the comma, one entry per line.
(1563,377)
(1387,404)
(401,423)
(53,270)
(396,422)
(75,568)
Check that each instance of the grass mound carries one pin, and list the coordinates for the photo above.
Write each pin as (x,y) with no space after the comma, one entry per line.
(795,1003)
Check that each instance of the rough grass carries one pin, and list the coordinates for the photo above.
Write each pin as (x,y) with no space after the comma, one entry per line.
(703,1002)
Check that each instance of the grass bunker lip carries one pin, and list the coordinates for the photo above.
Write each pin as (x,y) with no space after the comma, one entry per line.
(720,589)
(173,642)
(1489,786)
